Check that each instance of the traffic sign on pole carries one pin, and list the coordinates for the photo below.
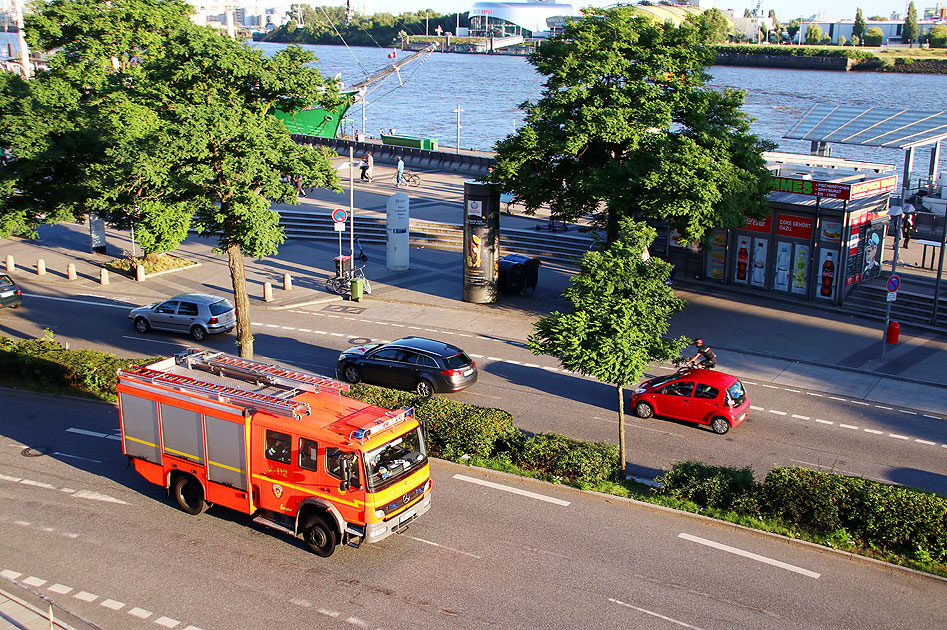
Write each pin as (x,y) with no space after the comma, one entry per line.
(339,215)
(894,283)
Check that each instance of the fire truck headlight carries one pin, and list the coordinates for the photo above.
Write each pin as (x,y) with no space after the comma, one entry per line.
(379,514)
(378,532)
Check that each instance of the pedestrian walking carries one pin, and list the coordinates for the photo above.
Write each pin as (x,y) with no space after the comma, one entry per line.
(298,182)
(368,166)
(907,228)
(401,179)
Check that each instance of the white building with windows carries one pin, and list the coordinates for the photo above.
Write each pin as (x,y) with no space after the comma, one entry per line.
(533,18)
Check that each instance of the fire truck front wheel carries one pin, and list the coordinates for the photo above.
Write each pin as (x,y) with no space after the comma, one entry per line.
(189,495)
(319,536)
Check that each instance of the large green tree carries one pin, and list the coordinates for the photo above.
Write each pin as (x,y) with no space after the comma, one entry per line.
(858,28)
(911,30)
(626,126)
(183,129)
(621,309)
(714,26)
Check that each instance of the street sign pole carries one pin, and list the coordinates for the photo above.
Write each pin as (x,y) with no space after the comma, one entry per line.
(351,204)
(894,283)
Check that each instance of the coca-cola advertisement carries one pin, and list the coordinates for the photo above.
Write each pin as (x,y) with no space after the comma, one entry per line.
(826,274)
(741,271)
(758,271)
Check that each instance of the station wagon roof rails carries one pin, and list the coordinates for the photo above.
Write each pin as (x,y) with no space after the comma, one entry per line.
(249,400)
(257,371)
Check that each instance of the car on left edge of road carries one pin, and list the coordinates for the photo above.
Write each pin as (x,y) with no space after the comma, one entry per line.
(694,395)
(197,314)
(419,364)
(10,295)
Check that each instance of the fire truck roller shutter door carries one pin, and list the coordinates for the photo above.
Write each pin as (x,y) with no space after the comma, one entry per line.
(140,420)
(226,452)
(183,433)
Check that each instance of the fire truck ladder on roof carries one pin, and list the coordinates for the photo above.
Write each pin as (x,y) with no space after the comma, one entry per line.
(260,402)
(257,371)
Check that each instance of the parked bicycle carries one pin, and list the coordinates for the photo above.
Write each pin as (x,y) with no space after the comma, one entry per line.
(342,283)
(413,179)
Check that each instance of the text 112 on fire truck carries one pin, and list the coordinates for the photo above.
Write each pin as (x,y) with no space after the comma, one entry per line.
(283,445)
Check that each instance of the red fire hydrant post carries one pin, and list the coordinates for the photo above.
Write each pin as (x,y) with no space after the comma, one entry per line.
(894,331)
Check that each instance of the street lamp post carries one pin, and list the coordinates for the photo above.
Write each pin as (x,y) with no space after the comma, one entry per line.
(457,111)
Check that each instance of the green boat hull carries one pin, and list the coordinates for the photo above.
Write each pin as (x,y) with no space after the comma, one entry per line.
(318,121)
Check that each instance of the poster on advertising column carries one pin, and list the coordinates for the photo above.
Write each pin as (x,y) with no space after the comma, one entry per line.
(783,266)
(826,272)
(873,240)
(800,269)
(758,275)
(741,272)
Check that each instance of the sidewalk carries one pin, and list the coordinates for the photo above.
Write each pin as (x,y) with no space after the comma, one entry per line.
(789,343)
(23,609)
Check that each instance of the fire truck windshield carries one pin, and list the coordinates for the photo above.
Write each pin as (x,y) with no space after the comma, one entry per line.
(395,460)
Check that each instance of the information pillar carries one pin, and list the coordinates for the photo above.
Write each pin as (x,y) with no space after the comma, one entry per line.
(481,241)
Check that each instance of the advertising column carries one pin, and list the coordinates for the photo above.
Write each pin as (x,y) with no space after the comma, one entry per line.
(481,241)
(397,224)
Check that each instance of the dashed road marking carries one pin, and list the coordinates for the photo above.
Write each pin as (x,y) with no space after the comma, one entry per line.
(768,386)
(821,421)
(512,490)
(440,546)
(814,394)
(932,417)
(898,437)
(86,432)
(85,596)
(912,413)
(494,359)
(34,581)
(755,408)
(61,589)
(798,417)
(874,431)
(778,413)
(838,398)
(794,391)
(329,613)
(355,621)
(925,442)
(883,407)
(167,622)
(847,426)
(141,613)
(112,604)
(859,402)
(653,614)
(750,555)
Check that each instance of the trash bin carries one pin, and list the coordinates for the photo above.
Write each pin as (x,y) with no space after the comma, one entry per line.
(357,287)
(530,269)
(343,264)
(510,278)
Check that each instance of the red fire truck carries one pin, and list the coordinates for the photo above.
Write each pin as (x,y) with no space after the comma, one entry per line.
(282,445)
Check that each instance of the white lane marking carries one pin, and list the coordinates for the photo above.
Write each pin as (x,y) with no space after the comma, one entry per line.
(167,622)
(653,614)
(821,421)
(305,330)
(513,362)
(778,413)
(62,589)
(927,442)
(38,484)
(874,431)
(367,321)
(883,407)
(413,328)
(320,332)
(282,328)
(913,413)
(22,523)
(85,459)
(34,581)
(334,316)
(463,335)
(750,555)
(837,398)
(794,391)
(112,604)
(9,478)
(84,432)
(329,613)
(95,496)
(10,575)
(446,332)
(530,365)
(272,325)
(153,340)
(551,369)
(431,330)
(494,359)
(141,613)
(769,386)
(847,426)
(75,301)
(434,544)
(525,493)
(858,402)
(399,326)
(302,603)
(755,408)
(798,417)
(898,437)
(930,416)
(336,335)
(813,394)
(747,382)
(86,596)
(476,356)
(355,621)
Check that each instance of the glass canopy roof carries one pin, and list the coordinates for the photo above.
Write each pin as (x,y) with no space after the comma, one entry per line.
(872,126)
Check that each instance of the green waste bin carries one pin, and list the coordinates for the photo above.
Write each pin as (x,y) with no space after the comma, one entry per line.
(358,285)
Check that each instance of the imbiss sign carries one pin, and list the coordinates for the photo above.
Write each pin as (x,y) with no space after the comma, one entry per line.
(832,190)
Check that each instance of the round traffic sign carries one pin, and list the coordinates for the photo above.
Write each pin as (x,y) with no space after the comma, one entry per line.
(893,283)
(339,215)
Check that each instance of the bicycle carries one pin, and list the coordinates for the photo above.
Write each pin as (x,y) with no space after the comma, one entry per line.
(412,179)
(342,283)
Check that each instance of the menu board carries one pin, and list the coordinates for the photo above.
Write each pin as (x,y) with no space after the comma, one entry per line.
(717,255)
(856,254)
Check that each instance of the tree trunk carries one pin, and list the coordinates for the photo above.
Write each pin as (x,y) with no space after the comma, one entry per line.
(621,430)
(241,300)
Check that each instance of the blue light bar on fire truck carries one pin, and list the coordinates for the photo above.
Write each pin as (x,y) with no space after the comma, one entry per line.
(388,420)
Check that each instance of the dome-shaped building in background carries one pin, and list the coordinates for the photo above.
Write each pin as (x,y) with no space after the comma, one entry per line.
(534,18)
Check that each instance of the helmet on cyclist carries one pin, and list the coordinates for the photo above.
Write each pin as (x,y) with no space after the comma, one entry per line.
(698,342)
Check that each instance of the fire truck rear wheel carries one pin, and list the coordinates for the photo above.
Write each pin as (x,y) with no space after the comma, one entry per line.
(319,536)
(189,495)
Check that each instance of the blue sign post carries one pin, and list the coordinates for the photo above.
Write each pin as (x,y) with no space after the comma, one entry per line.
(894,282)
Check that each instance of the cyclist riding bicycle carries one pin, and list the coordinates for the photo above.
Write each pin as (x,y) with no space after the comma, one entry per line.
(707,357)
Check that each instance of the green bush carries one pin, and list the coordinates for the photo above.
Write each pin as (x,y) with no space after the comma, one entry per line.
(558,457)
(796,51)
(873,36)
(938,36)
(715,487)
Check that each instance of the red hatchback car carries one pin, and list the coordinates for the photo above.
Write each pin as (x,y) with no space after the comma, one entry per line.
(702,396)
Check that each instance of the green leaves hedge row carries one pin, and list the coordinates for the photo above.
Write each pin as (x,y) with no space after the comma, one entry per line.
(867,514)
(796,51)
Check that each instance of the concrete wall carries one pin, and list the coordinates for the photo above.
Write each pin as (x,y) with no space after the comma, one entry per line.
(476,165)
(785,61)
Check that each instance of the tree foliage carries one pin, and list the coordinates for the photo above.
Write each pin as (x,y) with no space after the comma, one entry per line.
(910,31)
(620,315)
(156,126)
(326,25)
(714,26)
(873,36)
(626,126)
(938,36)
(858,28)
(813,34)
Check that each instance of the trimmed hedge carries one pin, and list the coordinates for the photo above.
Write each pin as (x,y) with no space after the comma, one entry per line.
(892,520)
(558,457)
(796,51)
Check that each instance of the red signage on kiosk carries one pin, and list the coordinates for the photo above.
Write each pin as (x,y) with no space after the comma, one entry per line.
(794,226)
(758,225)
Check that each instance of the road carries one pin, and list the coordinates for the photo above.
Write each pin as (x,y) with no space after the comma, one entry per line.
(827,428)
(494,552)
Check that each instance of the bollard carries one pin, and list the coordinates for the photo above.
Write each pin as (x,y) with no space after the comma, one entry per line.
(71,271)
(11,266)
(40,267)
(140,273)
(287,282)
(103,276)
(267,291)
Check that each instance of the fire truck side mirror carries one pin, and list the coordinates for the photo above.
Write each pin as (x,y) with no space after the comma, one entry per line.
(349,472)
